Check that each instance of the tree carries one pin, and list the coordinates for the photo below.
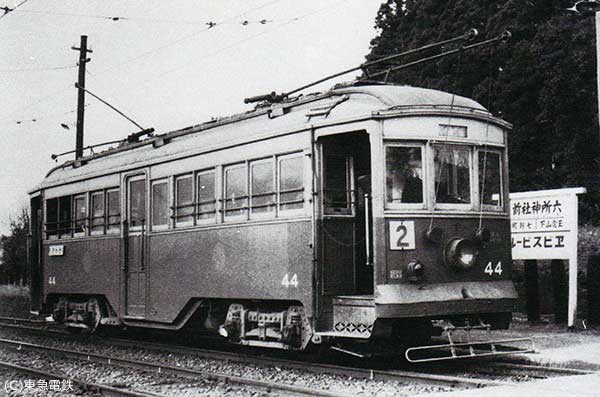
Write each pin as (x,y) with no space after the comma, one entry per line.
(13,266)
(543,81)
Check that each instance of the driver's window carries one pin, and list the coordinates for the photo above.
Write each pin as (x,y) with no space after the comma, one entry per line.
(404,175)
(452,174)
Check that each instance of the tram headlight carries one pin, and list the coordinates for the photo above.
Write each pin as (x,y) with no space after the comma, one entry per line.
(415,271)
(461,253)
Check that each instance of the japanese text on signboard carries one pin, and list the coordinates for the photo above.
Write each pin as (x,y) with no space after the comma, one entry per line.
(541,227)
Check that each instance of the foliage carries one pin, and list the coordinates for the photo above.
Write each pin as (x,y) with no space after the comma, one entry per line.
(543,81)
(13,262)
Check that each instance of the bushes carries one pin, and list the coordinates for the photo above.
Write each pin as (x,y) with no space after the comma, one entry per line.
(14,301)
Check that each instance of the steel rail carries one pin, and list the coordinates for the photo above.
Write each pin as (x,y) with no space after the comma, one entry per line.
(167,369)
(364,373)
(87,386)
(317,368)
(541,368)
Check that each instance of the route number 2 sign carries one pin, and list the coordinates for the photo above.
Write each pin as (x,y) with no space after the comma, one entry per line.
(402,235)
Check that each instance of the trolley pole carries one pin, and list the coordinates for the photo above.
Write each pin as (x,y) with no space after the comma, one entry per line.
(83,59)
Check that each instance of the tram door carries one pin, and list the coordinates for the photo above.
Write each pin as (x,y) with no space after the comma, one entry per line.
(345,179)
(135,246)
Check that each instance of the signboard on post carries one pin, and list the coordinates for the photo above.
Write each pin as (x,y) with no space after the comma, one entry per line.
(544,226)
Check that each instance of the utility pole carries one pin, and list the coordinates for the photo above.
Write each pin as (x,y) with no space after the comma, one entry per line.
(597,55)
(83,59)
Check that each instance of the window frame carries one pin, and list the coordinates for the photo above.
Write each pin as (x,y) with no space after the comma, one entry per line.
(61,221)
(272,193)
(245,207)
(294,211)
(474,200)
(102,217)
(107,215)
(166,204)
(426,179)
(192,204)
(56,234)
(490,207)
(198,203)
(129,181)
(75,219)
(350,190)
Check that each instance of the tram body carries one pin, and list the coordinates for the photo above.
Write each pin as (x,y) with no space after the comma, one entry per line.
(363,213)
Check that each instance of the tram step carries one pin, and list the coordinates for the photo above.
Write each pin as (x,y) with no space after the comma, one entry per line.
(353,316)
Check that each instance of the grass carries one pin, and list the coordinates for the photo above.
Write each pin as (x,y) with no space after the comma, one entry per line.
(13,290)
(14,301)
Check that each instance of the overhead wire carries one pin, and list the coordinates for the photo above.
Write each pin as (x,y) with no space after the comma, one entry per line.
(24,121)
(233,45)
(144,54)
(7,10)
(117,18)
(210,25)
(40,69)
(237,43)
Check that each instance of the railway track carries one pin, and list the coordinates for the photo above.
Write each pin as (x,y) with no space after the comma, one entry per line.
(163,369)
(475,377)
(345,371)
(77,385)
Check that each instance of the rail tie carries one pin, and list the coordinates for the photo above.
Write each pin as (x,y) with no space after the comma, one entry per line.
(165,369)
(105,389)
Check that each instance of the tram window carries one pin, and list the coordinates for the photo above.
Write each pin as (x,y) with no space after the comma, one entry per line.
(184,200)
(79,215)
(137,202)
(114,215)
(160,204)
(236,199)
(337,193)
(490,178)
(404,174)
(64,216)
(291,181)
(452,174)
(206,196)
(97,213)
(51,218)
(262,190)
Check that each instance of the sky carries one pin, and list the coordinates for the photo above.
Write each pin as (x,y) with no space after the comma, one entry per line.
(160,63)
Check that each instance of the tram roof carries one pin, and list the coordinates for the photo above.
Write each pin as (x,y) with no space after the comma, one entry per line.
(342,103)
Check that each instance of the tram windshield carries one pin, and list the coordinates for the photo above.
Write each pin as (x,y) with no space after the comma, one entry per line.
(404,171)
(452,174)
(490,178)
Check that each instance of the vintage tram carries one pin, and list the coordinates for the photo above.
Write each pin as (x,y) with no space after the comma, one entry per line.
(367,213)
(363,212)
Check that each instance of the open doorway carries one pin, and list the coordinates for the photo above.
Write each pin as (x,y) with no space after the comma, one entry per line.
(345,214)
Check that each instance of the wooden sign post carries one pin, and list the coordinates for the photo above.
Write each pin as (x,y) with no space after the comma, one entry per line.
(544,226)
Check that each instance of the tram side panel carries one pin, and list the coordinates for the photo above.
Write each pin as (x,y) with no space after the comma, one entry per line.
(86,267)
(268,261)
